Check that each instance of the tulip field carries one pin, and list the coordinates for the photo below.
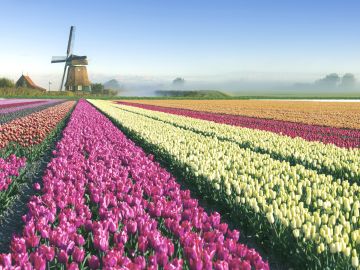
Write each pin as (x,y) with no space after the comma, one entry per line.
(333,114)
(315,122)
(28,131)
(157,184)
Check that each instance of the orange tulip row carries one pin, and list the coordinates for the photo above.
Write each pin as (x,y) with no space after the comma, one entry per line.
(34,128)
(334,114)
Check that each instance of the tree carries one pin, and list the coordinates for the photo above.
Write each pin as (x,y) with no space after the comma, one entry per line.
(348,81)
(110,92)
(179,81)
(6,83)
(97,88)
(330,81)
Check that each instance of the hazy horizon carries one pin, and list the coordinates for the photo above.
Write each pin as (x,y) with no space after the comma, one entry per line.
(227,45)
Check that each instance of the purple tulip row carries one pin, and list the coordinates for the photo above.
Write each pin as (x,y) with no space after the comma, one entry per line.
(19,104)
(106,204)
(28,105)
(16,100)
(348,138)
(9,167)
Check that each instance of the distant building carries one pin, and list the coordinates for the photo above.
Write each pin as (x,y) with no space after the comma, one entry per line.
(26,82)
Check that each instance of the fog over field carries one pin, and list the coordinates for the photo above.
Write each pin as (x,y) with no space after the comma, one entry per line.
(242,83)
(246,83)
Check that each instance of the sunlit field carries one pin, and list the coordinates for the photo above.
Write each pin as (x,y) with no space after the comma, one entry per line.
(185,184)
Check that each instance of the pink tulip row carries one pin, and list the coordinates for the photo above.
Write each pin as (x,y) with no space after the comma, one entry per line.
(348,138)
(9,167)
(27,105)
(106,204)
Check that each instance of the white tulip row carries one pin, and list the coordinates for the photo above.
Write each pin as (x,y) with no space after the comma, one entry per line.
(316,207)
(325,158)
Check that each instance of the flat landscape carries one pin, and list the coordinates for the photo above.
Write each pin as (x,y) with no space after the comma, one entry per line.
(170,135)
(179,184)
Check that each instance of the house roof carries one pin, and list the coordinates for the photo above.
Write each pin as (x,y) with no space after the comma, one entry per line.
(30,82)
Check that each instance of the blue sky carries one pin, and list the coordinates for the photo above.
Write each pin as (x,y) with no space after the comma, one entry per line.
(200,40)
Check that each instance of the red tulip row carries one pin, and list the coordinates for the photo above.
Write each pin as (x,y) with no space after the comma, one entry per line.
(106,204)
(349,138)
(33,129)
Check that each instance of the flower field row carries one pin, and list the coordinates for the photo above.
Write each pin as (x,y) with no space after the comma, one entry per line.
(329,159)
(312,215)
(16,100)
(29,139)
(348,138)
(333,114)
(18,104)
(105,204)
(27,105)
(33,129)
(7,115)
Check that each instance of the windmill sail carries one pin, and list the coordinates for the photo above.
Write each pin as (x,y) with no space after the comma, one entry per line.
(58,59)
(63,77)
(75,67)
(71,41)
(68,53)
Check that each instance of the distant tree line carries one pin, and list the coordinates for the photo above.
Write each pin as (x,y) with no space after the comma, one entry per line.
(99,89)
(333,80)
(6,83)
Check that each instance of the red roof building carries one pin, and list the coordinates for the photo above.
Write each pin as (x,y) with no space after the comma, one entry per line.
(27,82)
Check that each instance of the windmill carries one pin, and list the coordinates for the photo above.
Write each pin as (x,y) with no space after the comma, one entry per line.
(77,76)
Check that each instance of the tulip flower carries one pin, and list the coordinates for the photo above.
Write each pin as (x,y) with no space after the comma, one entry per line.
(27,108)
(295,186)
(104,199)
(78,254)
(33,128)
(319,114)
(9,168)
(93,262)
(290,148)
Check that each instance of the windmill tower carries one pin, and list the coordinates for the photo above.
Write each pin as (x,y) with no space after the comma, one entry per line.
(77,77)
